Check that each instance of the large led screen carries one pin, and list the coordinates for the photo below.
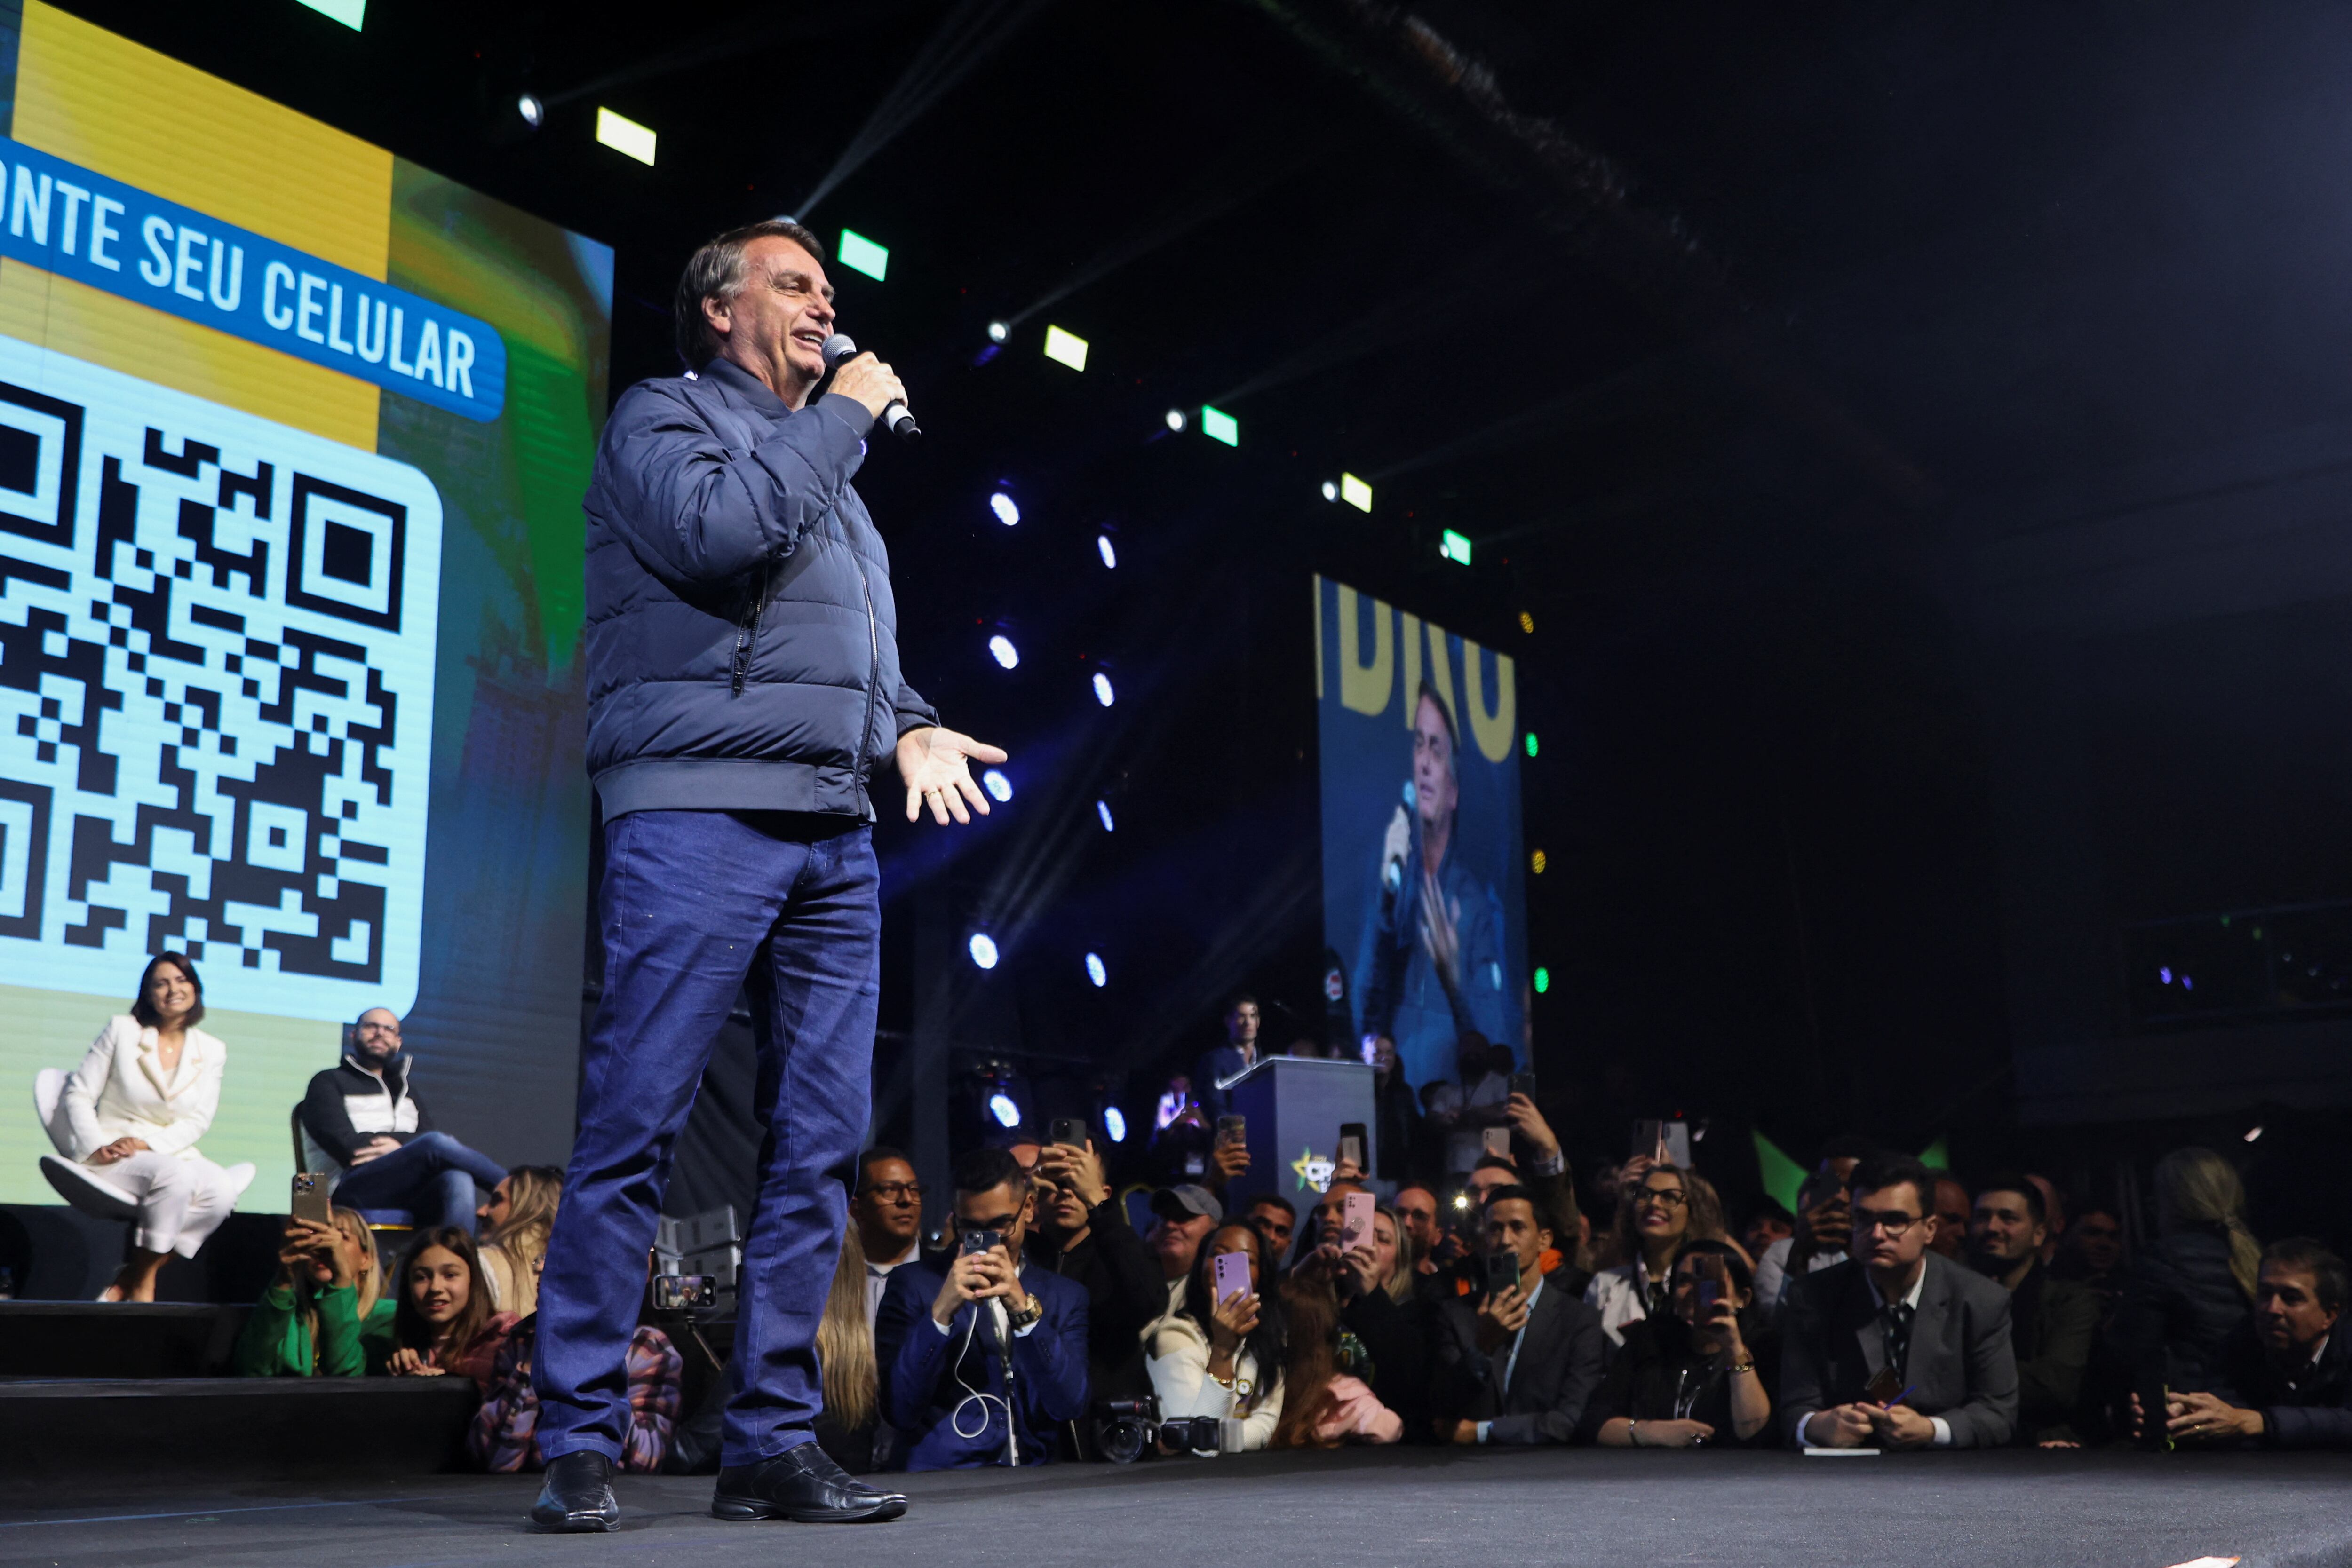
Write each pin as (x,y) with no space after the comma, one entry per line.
(1422,900)
(292,439)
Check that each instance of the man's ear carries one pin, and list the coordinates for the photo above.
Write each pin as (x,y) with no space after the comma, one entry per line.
(716,314)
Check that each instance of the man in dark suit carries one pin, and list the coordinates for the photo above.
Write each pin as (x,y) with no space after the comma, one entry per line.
(1224,1063)
(943,1340)
(2290,1373)
(2051,1321)
(1898,1347)
(1518,1367)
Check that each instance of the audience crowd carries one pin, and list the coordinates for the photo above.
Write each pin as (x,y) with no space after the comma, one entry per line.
(1461,1291)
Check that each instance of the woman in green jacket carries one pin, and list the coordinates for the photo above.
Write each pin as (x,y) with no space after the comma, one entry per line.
(326,1315)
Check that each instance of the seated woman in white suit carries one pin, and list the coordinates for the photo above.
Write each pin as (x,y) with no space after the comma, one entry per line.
(127,1121)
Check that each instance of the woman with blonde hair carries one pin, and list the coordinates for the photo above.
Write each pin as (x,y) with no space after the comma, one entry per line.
(327,1314)
(516,1223)
(852,1416)
(1659,1207)
(2191,1291)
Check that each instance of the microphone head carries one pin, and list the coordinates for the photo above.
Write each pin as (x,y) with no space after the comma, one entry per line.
(839,347)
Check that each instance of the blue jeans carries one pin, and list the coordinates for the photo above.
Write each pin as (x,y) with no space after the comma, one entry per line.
(432,1176)
(695,906)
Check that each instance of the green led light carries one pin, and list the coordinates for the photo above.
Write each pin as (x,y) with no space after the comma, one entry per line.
(347,12)
(1456,548)
(1219,425)
(1543,981)
(625,136)
(1355,492)
(1531,743)
(1066,347)
(862,255)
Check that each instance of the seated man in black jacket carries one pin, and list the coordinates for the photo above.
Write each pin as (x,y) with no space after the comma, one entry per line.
(2051,1321)
(952,1339)
(1898,1347)
(1520,1366)
(2291,1377)
(364,1117)
(1083,1235)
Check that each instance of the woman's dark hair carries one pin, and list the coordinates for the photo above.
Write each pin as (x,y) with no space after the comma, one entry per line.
(1311,1323)
(143,1011)
(408,1325)
(1265,1340)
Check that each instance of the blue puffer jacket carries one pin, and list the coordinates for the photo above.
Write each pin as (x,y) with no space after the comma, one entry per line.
(742,647)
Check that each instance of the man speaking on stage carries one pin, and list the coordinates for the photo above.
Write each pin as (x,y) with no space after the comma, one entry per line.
(743,689)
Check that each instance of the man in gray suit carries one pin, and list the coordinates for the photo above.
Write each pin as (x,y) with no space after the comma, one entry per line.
(1520,1367)
(1898,1347)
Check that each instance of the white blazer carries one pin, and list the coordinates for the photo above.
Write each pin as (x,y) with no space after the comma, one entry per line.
(120,1091)
(1176,1354)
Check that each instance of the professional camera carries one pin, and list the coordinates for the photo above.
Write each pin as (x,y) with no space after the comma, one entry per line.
(1125,1429)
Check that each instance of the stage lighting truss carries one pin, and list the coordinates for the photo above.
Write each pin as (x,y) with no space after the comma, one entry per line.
(1007,510)
(983,948)
(1103,547)
(1103,693)
(1096,972)
(1000,649)
(1102,809)
(999,787)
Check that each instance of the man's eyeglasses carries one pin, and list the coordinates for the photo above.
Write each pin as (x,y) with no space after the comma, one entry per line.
(390,1029)
(896,1191)
(1893,1221)
(1663,1196)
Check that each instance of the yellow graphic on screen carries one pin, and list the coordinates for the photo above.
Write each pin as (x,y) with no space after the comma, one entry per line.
(126,111)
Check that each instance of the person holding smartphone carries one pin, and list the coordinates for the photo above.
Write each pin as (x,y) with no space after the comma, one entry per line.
(1083,1235)
(1655,1215)
(1695,1375)
(984,1358)
(1220,1352)
(1521,1366)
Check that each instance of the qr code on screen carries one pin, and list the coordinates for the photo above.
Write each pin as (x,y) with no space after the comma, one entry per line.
(216,653)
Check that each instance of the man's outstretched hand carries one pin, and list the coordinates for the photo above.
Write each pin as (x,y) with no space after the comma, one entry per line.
(934,763)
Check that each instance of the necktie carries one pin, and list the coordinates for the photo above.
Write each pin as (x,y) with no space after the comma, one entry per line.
(1895,1326)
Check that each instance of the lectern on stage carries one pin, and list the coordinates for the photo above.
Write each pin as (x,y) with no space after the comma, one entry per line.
(1294,1106)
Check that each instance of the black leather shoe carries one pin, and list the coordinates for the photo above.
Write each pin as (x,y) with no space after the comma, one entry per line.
(802,1484)
(578,1496)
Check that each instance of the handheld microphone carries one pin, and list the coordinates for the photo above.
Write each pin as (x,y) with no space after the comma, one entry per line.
(841,348)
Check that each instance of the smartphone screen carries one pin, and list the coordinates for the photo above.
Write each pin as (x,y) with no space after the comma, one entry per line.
(1353,1140)
(1233,1130)
(1229,1273)
(1355,1220)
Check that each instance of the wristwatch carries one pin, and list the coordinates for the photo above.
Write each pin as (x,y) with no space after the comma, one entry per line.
(1022,1317)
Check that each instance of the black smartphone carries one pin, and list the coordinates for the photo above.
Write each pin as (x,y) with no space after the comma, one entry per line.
(684,1292)
(972,1241)
(2154,1435)
(1502,1272)
(1353,1143)
(1070,1130)
(1524,1083)
(1231,1130)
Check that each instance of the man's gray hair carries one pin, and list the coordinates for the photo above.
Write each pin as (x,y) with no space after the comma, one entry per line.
(716,272)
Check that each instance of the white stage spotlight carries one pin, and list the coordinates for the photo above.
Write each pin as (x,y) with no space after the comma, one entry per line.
(1000,649)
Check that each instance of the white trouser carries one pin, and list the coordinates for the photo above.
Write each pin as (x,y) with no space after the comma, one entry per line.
(181,1200)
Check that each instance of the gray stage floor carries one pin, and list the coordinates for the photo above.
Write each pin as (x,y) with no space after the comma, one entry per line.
(1363,1510)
